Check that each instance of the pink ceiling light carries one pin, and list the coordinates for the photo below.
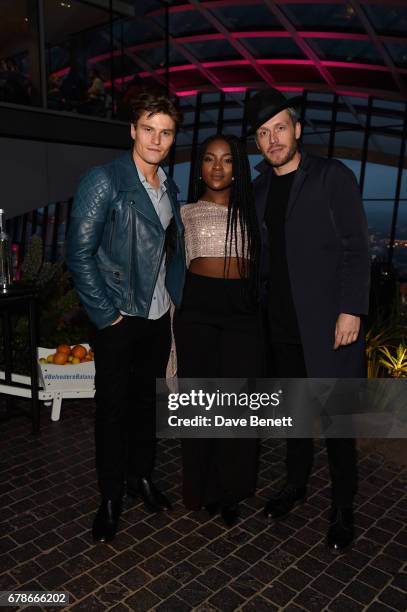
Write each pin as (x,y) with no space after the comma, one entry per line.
(192,92)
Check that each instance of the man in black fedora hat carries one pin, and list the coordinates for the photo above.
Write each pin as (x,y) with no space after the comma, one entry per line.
(315,271)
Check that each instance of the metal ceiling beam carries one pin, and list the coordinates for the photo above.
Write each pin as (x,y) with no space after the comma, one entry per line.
(211,4)
(195,62)
(141,63)
(237,45)
(218,36)
(187,54)
(121,7)
(310,53)
(300,42)
(380,48)
(341,89)
(191,38)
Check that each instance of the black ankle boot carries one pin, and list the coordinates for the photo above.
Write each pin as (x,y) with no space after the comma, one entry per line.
(106,520)
(341,529)
(154,500)
(285,501)
(230,514)
(212,509)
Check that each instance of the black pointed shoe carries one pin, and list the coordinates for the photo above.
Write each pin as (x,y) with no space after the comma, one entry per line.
(106,521)
(212,509)
(285,501)
(230,514)
(154,500)
(341,529)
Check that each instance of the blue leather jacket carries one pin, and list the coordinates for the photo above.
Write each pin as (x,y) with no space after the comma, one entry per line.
(116,243)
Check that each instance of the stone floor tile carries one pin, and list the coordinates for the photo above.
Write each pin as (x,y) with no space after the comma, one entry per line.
(180,560)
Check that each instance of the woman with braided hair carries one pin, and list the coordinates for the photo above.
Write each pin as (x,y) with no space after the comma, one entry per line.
(216,329)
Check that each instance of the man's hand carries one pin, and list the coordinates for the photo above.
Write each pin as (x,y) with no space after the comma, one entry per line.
(346,330)
(119,318)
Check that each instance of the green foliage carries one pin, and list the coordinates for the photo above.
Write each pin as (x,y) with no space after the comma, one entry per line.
(386,330)
(395,360)
(60,317)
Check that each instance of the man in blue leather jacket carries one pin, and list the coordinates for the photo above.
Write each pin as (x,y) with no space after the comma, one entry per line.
(126,256)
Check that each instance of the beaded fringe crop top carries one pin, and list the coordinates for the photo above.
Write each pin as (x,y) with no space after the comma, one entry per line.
(205,231)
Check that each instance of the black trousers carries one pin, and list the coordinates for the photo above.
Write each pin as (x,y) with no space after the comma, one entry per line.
(217,336)
(129,356)
(287,361)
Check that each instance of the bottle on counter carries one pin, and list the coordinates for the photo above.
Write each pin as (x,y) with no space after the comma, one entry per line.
(6,275)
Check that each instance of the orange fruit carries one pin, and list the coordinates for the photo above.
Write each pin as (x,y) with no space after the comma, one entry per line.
(63,348)
(79,351)
(60,358)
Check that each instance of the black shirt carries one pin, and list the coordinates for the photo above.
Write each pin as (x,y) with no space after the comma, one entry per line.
(281,312)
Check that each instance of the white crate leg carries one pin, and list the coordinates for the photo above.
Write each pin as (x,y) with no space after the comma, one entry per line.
(56,407)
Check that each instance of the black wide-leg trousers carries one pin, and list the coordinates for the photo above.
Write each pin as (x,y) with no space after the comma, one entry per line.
(129,356)
(287,361)
(217,335)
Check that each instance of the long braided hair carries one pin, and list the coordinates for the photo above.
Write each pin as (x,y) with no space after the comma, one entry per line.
(241,217)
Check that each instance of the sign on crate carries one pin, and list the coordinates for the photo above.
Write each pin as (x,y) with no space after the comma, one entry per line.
(70,377)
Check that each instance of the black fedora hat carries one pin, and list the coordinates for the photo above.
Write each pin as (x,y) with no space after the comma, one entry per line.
(265,104)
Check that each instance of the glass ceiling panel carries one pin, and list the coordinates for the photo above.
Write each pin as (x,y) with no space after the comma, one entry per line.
(187,23)
(315,115)
(386,122)
(212,50)
(344,117)
(208,115)
(348,50)
(336,17)
(155,57)
(210,97)
(389,105)
(269,48)
(319,97)
(239,18)
(188,118)
(134,31)
(387,19)
(233,113)
(355,100)
(398,53)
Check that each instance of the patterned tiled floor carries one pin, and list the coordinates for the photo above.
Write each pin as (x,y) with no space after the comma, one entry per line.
(182,561)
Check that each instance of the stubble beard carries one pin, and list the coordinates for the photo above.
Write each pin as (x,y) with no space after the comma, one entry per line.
(287,158)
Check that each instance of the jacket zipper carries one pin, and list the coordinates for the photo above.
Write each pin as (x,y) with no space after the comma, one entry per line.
(113,221)
(156,273)
(130,268)
(130,295)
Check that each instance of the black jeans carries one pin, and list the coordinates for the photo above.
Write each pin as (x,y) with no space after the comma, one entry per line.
(287,361)
(129,356)
(217,335)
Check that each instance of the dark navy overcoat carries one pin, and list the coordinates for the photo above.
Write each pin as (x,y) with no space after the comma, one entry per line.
(328,259)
